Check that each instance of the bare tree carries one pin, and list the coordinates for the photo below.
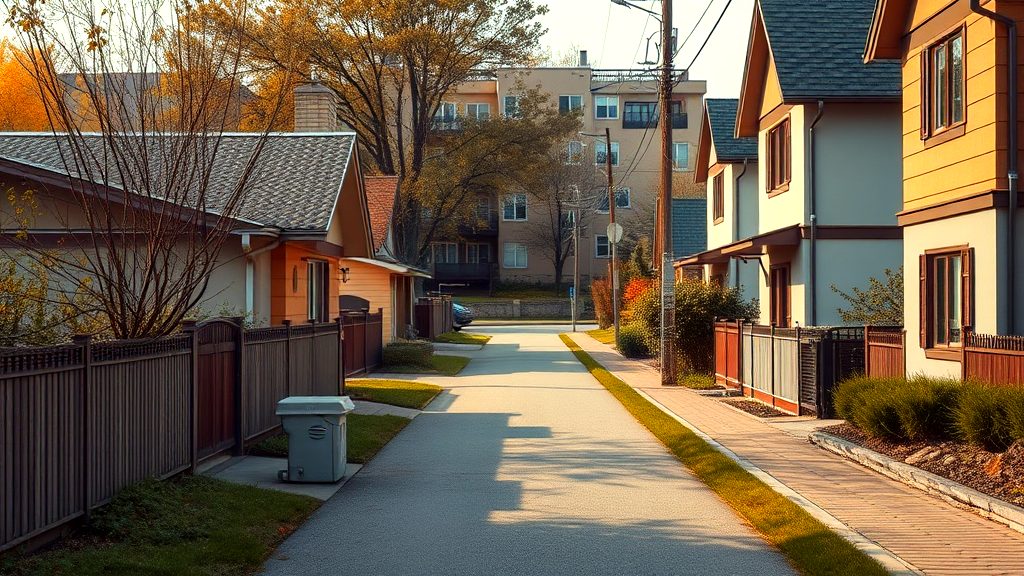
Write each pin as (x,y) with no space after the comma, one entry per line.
(145,209)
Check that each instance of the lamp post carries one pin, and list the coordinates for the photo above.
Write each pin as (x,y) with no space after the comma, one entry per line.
(612,231)
(668,311)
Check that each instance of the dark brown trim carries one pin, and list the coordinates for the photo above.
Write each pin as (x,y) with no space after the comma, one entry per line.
(947,250)
(939,24)
(718,221)
(948,134)
(982,201)
(953,353)
(775,116)
(928,73)
(832,232)
(779,190)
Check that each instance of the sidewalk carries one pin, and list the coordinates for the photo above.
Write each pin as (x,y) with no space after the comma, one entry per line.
(927,533)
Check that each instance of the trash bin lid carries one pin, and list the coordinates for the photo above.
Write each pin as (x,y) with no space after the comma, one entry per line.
(299,405)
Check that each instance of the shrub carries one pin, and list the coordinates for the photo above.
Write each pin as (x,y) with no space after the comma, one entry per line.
(925,407)
(632,341)
(877,414)
(698,381)
(645,314)
(848,396)
(698,305)
(601,293)
(981,416)
(1015,414)
(635,288)
(408,353)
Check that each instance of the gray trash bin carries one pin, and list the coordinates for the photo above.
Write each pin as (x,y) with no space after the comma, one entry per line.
(316,427)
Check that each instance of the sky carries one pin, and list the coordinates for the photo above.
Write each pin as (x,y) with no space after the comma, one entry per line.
(615,36)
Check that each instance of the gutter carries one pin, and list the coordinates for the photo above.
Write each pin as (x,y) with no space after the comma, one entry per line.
(812,295)
(736,221)
(1012,153)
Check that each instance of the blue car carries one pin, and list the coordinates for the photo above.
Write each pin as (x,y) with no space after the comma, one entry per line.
(463,316)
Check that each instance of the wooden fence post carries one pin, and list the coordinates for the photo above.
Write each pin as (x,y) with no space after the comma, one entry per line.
(287,357)
(85,343)
(239,385)
(189,327)
(867,350)
(771,366)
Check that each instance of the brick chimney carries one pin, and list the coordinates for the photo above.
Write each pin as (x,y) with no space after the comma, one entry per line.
(316,108)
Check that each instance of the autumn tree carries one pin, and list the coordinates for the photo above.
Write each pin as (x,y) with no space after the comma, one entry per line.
(391,62)
(880,303)
(21,103)
(145,209)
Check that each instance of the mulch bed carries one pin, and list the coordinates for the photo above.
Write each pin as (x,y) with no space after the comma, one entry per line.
(756,408)
(999,475)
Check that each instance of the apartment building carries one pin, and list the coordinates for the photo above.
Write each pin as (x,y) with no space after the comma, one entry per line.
(624,101)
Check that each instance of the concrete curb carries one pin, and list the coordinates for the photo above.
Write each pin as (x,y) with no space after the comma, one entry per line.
(985,505)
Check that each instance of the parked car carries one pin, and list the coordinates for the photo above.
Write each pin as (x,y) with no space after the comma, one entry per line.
(463,316)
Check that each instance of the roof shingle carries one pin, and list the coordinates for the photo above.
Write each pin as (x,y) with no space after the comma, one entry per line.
(722,117)
(380,196)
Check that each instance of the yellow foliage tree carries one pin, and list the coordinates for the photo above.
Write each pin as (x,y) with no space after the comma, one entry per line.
(21,105)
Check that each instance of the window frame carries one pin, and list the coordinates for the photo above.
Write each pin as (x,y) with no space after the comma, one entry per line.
(517,266)
(515,197)
(318,278)
(779,139)
(614,152)
(446,246)
(675,165)
(928,264)
(597,107)
(618,192)
(780,312)
(476,246)
(572,159)
(652,119)
(929,127)
(597,246)
(677,112)
(718,198)
(442,122)
(516,112)
(570,108)
(486,106)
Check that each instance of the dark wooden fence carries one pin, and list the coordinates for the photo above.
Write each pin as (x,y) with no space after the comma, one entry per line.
(363,341)
(727,354)
(995,360)
(81,421)
(885,351)
(434,316)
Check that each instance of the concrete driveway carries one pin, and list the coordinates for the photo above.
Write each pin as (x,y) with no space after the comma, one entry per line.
(525,465)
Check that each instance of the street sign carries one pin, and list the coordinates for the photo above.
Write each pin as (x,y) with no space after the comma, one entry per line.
(614,231)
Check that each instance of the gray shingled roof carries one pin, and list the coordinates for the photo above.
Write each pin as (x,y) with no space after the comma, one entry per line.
(294,187)
(818,47)
(689,226)
(722,116)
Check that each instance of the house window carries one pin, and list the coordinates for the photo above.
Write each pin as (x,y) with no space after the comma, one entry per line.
(602,248)
(569,103)
(574,152)
(678,111)
(514,207)
(515,255)
(444,117)
(621,200)
(445,252)
(317,290)
(640,114)
(943,70)
(780,296)
(478,253)
(483,208)
(680,156)
(601,151)
(511,104)
(606,107)
(779,157)
(946,303)
(478,111)
(718,197)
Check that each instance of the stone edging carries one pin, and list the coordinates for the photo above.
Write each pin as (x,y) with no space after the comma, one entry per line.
(985,505)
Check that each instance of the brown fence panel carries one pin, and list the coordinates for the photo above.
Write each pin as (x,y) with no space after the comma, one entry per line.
(300,363)
(374,340)
(885,351)
(434,316)
(727,354)
(326,369)
(266,374)
(995,360)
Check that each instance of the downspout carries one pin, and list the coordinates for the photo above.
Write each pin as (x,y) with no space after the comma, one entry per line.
(736,222)
(250,271)
(1012,153)
(812,268)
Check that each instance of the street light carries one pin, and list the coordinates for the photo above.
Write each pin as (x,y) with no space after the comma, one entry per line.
(668,312)
(612,230)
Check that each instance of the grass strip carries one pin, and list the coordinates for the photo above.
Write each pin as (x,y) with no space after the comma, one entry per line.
(604,336)
(367,434)
(463,338)
(439,364)
(402,393)
(189,525)
(810,546)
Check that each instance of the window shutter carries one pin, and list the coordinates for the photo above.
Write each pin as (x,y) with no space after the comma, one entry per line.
(925,116)
(788,156)
(967,287)
(923,300)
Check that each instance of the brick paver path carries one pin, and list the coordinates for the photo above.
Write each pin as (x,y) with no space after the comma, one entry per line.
(926,532)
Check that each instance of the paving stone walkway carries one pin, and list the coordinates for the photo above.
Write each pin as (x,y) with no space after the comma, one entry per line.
(926,532)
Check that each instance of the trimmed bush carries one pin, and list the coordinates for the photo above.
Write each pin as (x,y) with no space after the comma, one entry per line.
(981,416)
(925,407)
(848,396)
(632,341)
(1015,414)
(601,294)
(877,414)
(408,353)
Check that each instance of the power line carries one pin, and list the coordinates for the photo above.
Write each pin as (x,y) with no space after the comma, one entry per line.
(707,38)
(693,29)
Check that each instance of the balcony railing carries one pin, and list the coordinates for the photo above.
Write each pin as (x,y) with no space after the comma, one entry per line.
(463,271)
(485,224)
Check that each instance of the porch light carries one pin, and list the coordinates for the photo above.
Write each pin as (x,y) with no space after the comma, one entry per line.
(344,275)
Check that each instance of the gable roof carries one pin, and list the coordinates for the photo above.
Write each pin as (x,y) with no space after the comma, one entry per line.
(885,35)
(718,129)
(817,48)
(380,197)
(295,186)
(689,226)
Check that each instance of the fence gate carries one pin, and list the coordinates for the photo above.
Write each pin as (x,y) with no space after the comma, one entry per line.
(217,383)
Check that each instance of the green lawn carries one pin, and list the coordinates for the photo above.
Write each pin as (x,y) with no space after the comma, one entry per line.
(190,525)
(367,434)
(808,544)
(440,364)
(395,392)
(603,335)
(463,338)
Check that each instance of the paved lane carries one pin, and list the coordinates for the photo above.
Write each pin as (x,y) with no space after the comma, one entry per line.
(525,465)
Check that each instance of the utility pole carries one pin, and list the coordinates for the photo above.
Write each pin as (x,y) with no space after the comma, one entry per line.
(668,297)
(611,231)
(575,255)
